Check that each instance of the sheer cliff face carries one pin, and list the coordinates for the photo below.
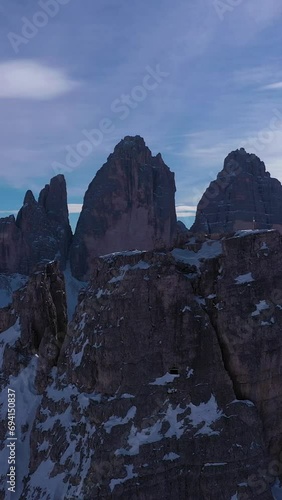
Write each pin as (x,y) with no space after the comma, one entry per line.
(12,246)
(243,196)
(40,233)
(243,298)
(167,383)
(38,316)
(129,205)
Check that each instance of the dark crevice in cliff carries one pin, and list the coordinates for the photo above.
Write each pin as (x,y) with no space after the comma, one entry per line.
(196,286)
(225,357)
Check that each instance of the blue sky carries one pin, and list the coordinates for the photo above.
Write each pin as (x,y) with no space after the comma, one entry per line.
(67,65)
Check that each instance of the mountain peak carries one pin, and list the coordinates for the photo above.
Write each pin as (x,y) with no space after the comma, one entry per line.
(131,141)
(129,205)
(241,160)
(29,198)
(243,196)
(41,231)
(131,146)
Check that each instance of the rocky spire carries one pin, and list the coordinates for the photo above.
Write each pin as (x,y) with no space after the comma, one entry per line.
(29,198)
(243,194)
(53,198)
(129,205)
(41,231)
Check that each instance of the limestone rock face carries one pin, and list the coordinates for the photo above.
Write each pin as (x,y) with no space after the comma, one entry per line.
(243,196)
(45,225)
(167,383)
(38,316)
(240,288)
(12,246)
(129,205)
(40,233)
(246,311)
(141,379)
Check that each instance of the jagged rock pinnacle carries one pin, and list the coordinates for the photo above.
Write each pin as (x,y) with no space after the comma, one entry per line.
(128,205)
(243,196)
(41,231)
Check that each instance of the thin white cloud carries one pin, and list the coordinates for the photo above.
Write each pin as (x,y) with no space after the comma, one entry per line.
(186,210)
(256,75)
(181,210)
(272,86)
(8,212)
(185,214)
(75,208)
(27,79)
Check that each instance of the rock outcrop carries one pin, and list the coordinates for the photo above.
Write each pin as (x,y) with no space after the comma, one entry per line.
(37,317)
(129,205)
(243,196)
(41,231)
(12,246)
(155,392)
(244,303)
